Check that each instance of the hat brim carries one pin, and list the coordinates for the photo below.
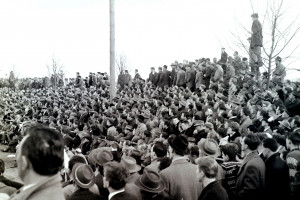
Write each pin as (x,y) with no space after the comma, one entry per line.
(136,169)
(201,147)
(80,184)
(140,185)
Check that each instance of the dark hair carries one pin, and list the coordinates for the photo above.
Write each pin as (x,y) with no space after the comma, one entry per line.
(116,174)
(160,149)
(76,159)
(271,144)
(44,149)
(164,162)
(252,141)
(246,111)
(230,149)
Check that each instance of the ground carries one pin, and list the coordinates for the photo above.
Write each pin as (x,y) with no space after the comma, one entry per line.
(11,171)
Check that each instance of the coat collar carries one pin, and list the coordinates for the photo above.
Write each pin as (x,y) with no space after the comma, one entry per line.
(47,182)
(250,156)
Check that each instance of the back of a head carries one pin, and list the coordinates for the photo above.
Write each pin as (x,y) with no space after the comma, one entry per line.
(44,149)
(252,141)
(160,149)
(271,144)
(209,166)
(116,174)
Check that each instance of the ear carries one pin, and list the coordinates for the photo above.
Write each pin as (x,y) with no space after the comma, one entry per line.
(25,163)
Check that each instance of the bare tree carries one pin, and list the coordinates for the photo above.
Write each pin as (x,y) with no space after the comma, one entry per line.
(279,33)
(55,71)
(122,63)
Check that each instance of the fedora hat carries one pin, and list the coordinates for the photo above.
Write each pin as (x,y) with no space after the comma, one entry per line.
(130,164)
(83,175)
(208,146)
(150,181)
(179,143)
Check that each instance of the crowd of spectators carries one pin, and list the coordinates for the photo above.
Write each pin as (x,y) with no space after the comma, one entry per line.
(204,130)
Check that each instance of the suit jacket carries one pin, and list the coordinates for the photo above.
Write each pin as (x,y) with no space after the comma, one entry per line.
(124,196)
(164,78)
(277,178)
(199,79)
(152,78)
(190,76)
(213,191)
(250,183)
(85,194)
(218,76)
(180,80)
(257,37)
(47,189)
(173,76)
(181,181)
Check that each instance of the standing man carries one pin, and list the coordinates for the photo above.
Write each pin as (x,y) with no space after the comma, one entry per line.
(224,56)
(190,76)
(277,171)
(180,177)
(180,79)
(250,183)
(152,76)
(256,40)
(39,164)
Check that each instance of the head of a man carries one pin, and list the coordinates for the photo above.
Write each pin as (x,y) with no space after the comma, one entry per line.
(115,176)
(249,143)
(207,168)
(40,152)
(254,16)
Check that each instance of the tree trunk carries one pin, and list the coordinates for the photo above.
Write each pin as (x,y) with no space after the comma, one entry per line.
(112,49)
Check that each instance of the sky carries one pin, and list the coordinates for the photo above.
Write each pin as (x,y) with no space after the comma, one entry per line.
(150,33)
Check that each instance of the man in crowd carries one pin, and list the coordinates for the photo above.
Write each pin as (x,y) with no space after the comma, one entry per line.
(250,182)
(115,180)
(277,171)
(39,164)
(180,178)
(206,173)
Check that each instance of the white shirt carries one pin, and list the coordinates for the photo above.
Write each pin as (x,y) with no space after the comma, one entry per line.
(114,193)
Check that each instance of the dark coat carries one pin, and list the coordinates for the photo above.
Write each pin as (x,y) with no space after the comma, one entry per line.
(190,76)
(180,80)
(164,78)
(257,37)
(152,78)
(173,76)
(277,178)
(85,194)
(213,191)
(250,182)
(124,196)
(224,56)
(102,191)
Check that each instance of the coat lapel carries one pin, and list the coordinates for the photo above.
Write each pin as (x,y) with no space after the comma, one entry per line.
(249,157)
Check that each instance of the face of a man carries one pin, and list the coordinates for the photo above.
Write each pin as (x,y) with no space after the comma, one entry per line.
(243,147)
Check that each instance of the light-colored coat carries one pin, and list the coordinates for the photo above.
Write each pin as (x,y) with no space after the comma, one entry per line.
(47,189)
(181,181)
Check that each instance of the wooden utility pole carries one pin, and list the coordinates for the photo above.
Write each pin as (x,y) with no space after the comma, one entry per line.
(112,49)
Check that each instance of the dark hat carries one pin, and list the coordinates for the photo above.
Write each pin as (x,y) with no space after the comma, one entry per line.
(141,118)
(278,58)
(179,144)
(83,175)
(294,137)
(130,164)
(100,156)
(254,15)
(150,181)
(208,146)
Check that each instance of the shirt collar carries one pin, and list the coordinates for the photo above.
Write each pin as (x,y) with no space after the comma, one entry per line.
(114,193)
